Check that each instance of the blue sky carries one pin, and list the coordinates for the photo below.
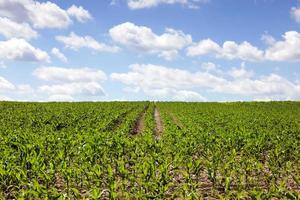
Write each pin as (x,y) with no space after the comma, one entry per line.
(174,50)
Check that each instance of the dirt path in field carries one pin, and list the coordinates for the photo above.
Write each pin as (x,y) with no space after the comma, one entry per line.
(158,124)
(138,126)
(176,120)
(114,124)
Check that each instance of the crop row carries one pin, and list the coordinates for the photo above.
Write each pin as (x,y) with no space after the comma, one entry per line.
(205,150)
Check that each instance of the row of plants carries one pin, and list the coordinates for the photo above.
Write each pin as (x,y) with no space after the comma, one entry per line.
(236,150)
(206,150)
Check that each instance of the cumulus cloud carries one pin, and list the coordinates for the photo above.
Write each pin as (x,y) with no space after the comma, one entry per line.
(229,50)
(24,89)
(7,89)
(11,29)
(20,49)
(143,39)
(60,74)
(59,98)
(71,81)
(271,86)
(185,95)
(268,39)
(5,84)
(162,81)
(204,47)
(148,76)
(76,42)
(47,15)
(2,65)
(165,82)
(211,67)
(295,13)
(15,10)
(5,98)
(41,14)
(79,13)
(140,4)
(240,72)
(75,88)
(57,53)
(287,49)
(63,85)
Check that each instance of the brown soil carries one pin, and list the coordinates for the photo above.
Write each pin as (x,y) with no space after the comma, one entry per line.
(158,124)
(139,123)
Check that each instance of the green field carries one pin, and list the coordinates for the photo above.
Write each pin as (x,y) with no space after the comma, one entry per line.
(146,150)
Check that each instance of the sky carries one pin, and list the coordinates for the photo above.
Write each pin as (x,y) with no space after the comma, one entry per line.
(165,50)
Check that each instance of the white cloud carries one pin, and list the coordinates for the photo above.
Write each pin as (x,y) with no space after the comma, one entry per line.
(15,9)
(60,74)
(229,50)
(241,72)
(7,88)
(48,15)
(244,51)
(76,42)
(161,81)
(5,84)
(11,29)
(64,85)
(60,98)
(271,86)
(24,89)
(41,14)
(295,13)
(286,50)
(165,82)
(75,88)
(185,95)
(57,53)
(264,99)
(268,39)
(140,4)
(204,47)
(5,98)
(2,65)
(20,49)
(79,13)
(147,77)
(70,81)
(174,94)
(209,66)
(143,39)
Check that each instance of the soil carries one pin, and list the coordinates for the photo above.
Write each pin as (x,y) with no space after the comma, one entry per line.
(158,124)
(139,124)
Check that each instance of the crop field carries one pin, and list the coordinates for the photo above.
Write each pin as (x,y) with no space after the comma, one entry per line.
(147,150)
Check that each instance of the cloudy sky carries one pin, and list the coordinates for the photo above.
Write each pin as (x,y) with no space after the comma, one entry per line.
(177,50)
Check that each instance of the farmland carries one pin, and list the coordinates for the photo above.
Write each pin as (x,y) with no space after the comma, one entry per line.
(141,150)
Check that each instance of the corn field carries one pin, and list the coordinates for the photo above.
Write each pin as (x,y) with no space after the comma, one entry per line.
(150,150)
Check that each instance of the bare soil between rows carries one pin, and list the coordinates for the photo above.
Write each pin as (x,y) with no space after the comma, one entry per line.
(138,126)
(158,124)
